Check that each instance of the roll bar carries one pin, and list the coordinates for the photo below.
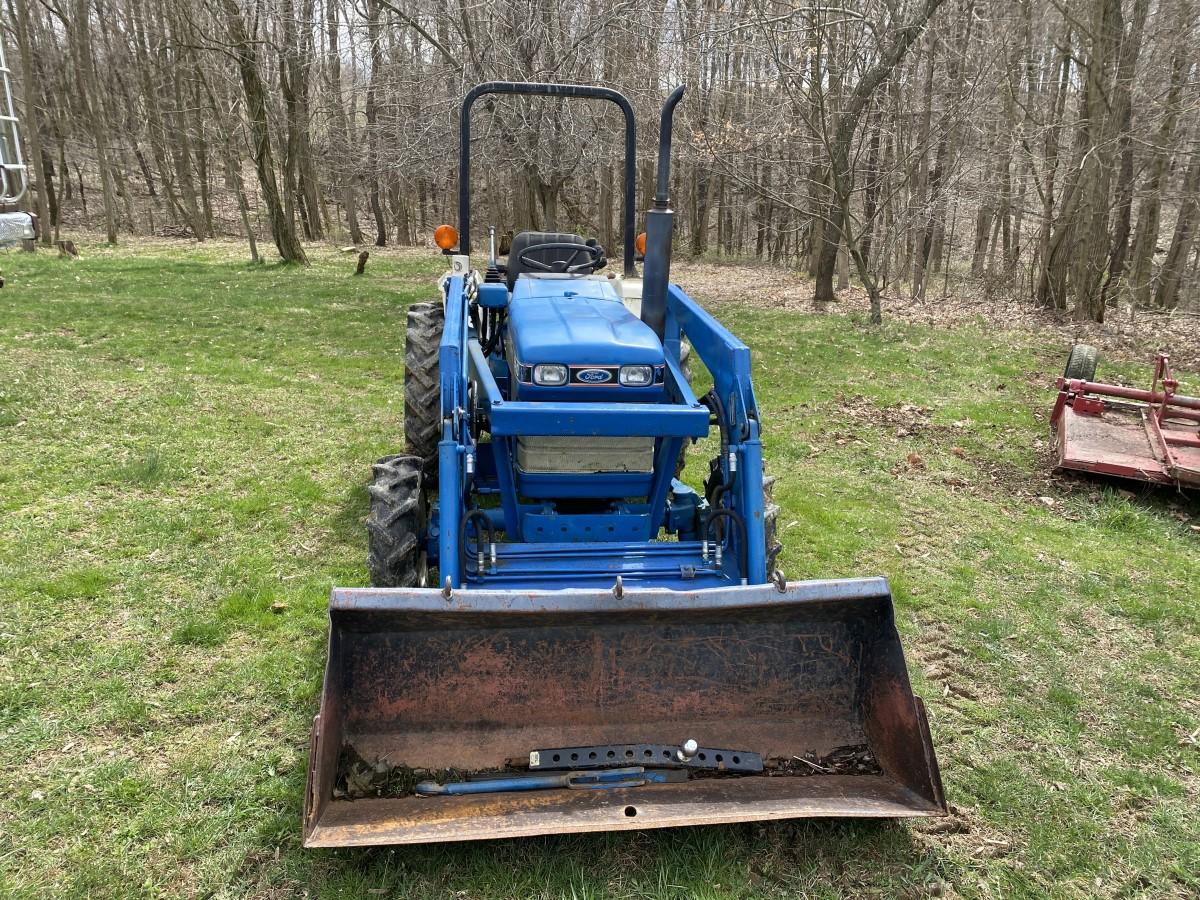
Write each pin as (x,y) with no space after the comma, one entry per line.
(583,91)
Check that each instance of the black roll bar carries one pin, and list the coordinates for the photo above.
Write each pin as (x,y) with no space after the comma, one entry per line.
(545,90)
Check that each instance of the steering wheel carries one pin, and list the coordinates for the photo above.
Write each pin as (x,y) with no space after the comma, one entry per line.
(594,252)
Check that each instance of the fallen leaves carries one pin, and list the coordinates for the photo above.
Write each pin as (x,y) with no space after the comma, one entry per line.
(1121,335)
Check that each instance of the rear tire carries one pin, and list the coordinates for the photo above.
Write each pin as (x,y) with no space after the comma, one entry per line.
(1081,363)
(771,524)
(422,385)
(396,523)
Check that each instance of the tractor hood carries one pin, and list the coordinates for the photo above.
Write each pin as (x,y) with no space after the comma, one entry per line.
(577,321)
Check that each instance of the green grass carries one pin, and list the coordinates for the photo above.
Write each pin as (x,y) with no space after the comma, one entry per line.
(184,444)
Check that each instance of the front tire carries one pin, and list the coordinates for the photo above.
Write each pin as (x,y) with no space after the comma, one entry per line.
(396,523)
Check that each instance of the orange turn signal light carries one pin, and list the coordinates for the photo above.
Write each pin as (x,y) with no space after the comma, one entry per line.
(446,237)
(639,243)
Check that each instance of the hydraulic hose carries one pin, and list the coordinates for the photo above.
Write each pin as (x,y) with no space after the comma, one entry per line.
(495,324)
(462,537)
(740,524)
(713,401)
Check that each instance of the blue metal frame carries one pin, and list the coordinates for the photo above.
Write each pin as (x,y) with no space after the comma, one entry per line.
(864,592)
(728,359)
(544,547)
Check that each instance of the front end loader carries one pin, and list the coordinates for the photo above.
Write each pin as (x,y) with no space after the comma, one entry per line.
(602,646)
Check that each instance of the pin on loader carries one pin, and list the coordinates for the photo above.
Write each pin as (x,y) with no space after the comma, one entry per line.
(588,604)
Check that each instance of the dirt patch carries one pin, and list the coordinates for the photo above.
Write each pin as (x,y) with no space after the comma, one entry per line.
(965,831)
(905,422)
(947,664)
(1040,485)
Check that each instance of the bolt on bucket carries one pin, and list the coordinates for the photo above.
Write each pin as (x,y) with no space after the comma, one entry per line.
(421,689)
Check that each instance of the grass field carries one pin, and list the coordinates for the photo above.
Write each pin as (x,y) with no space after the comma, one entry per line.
(184,445)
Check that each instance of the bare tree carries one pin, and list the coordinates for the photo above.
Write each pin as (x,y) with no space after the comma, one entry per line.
(1038,148)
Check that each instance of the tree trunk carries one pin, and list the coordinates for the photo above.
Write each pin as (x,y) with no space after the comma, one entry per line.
(233,168)
(921,190)
(1091,245)
(93,114)
(842,176)
(283,228)
(51,193)
(372,114)
(871,192)
(1145,241)
(1051,275)
(1167,295)
(179,138)
(1131,45)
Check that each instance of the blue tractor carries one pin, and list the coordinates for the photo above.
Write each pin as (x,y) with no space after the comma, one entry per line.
(603,646)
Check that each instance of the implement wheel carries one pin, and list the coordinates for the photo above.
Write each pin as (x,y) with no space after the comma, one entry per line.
(422,387)
(1081,363)
(396,524)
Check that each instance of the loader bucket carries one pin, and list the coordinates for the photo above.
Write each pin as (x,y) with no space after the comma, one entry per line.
(418,686)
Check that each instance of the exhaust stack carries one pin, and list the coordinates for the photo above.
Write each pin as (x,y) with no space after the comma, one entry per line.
(660,221)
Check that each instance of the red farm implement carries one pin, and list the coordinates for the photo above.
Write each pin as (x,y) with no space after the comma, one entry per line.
(1126,432)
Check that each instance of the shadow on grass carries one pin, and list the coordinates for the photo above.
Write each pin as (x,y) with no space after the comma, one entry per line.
(809,857)
(1168,503)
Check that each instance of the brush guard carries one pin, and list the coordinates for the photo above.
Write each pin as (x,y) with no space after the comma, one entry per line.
(1127,432)
(426,681)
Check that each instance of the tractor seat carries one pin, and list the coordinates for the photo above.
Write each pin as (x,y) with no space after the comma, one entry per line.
(527,239)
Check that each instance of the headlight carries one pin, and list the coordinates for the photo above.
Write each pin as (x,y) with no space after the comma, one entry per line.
(637,376)
(550,375)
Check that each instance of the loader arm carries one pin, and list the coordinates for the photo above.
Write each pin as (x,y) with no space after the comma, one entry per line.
(728,359)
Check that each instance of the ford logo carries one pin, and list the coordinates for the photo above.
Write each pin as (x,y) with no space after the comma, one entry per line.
(594,376)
